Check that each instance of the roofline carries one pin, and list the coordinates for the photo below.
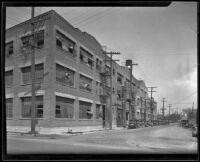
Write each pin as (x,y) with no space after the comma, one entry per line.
(27,21)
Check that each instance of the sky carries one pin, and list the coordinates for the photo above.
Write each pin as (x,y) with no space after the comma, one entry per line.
(161,40)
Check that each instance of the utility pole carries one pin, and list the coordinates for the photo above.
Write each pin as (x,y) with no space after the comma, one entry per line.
(169,112)
(192,109)
(111,71)
(123,104)
(33,105)
(163,109)
(151,111)
(130,65)
(145,99)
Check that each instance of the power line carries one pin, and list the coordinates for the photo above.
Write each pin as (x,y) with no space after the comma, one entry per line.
(186,97)
(182,103)
(97,18)
(90,17)
(76,18)
(11,18)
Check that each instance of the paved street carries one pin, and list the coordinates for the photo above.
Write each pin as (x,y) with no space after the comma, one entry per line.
(159,139)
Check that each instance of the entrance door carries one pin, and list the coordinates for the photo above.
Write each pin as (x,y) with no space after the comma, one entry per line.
(119,118)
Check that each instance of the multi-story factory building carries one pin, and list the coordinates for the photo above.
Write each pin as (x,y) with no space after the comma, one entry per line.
(72,87)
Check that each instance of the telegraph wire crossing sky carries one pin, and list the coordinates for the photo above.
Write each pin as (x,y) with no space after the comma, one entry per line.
(162,40)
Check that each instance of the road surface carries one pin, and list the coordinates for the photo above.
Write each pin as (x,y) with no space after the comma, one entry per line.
(158,139)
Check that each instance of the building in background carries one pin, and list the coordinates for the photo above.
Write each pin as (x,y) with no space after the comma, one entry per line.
(72,85)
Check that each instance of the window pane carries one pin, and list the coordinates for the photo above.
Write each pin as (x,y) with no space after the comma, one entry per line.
(85,83)
(86,57)
(9,48)
(9,108)
(26,107)
(64,42)
(64,107)
(26,74)
(40,38)
(84,108)
(39,72)
(9,78)
(98,111)
(58,43)
(64,75)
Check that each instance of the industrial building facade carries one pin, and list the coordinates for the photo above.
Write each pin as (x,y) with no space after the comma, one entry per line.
(72,88)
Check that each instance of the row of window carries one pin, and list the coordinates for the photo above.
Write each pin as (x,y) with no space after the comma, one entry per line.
(26,75)
(26,42)
(64,76)
(64,108)
(62,42)
(65,44)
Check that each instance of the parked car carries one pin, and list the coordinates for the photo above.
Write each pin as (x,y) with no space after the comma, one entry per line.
(195,132)
(184,123)
(132,125)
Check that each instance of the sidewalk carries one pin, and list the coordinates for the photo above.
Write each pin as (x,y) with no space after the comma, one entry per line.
(59,130)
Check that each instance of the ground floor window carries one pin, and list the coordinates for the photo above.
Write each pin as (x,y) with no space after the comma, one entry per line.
(26,107)
(64,107)
(9,108)
(85,110)
(127,114)
(98,111)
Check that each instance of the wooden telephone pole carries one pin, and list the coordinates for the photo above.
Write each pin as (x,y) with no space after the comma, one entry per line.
(111,71)
(151,111)
(163,109)
(33,105)
(169,112)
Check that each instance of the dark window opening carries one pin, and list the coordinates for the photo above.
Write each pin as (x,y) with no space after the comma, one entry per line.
(58,43)
(58,111)
(40,43)
(81,57)
(90,63)
(9,48)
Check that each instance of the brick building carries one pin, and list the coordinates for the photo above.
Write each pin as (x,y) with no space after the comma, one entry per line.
(71,86)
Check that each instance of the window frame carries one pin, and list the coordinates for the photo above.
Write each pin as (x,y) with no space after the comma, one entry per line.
(39,74)
(9,79)
(84,80)
(71,82)
(63,106)
(26,103)
(83,109)
(9,105)
(66,42)
(87,58)
(99,112)
(9,47)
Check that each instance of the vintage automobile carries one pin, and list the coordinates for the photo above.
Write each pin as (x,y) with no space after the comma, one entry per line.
(195,132)
(132,125)
(184,123)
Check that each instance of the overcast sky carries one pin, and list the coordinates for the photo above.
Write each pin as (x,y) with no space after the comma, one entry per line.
(162,40)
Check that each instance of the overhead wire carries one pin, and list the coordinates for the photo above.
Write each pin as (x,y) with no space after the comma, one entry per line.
(97,19)
(92,16)
(12,19)
(185,97)
(83,14)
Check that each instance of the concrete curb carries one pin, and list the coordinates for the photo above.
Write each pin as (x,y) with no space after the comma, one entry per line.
(25,133)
